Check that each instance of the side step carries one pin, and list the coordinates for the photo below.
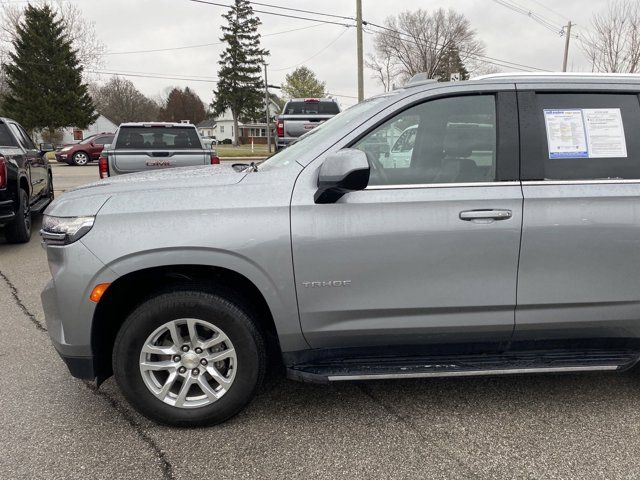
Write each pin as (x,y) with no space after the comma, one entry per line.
(346,369)
(40,205)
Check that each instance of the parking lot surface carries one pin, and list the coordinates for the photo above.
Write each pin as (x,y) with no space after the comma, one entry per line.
(54,426)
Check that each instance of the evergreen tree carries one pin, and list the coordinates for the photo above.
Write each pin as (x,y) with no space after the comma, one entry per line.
(183,105)
(240,85)
(451,63)
(302,83)
(44,76)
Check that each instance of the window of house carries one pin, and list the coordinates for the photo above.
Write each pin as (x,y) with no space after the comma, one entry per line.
(447,140)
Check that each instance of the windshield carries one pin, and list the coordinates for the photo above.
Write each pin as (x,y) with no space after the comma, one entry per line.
(341,122)
(86,140)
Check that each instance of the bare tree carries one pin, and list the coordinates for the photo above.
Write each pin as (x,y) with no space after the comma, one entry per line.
(82,33)
(418,41)
(613,44)
(120,101)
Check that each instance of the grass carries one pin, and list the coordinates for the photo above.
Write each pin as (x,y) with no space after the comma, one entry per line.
(227,151)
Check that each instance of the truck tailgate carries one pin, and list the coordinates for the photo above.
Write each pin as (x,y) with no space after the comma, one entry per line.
(297,125)
(126,161)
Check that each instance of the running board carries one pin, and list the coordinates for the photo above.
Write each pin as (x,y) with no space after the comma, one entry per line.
(462,366)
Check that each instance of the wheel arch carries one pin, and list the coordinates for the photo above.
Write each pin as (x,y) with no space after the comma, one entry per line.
(135,286)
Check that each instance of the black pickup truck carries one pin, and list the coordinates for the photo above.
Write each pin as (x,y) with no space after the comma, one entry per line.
(26,183)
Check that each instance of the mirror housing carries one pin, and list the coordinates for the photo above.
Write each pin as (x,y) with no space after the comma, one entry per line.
(344,171)
(46,147)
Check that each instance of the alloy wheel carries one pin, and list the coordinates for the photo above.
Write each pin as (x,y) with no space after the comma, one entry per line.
(188,363)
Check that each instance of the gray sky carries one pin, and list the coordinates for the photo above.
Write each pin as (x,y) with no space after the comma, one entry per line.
(127,25)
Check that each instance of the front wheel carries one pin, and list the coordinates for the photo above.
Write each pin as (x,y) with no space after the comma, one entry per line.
(189,358)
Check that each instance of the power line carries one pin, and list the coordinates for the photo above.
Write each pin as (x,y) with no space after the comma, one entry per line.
(302,11)
(206,2)
(555,12)
(209,44)
(315,54)
(491,60)
(536,17)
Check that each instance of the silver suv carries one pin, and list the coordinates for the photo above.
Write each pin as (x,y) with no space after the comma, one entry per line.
(500,237)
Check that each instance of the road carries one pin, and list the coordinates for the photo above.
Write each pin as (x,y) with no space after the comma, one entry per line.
(54,426)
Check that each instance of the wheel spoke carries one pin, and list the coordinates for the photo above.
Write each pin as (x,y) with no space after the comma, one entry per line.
(184,389)
(206,388)
(218,377)
(160,350)
(219,338)
(217,356)
(171,379)
(176,338)
(164,365)
(193,334)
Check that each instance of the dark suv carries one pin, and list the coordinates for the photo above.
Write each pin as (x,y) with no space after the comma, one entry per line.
(86,150)
(26,183)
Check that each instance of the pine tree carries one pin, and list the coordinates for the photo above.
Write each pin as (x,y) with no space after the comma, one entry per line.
(44,76)
(240,85)
(451,63)
(302,82)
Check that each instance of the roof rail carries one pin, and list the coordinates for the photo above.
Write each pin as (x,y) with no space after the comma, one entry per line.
(556,74)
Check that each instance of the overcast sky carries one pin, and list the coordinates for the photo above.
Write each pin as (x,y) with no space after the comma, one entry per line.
(128,25)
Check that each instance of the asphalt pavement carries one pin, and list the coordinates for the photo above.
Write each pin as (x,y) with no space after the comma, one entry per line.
(54,426)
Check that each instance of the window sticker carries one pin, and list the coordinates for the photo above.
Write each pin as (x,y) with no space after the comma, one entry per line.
(605,133)
(585,133)
(566,134)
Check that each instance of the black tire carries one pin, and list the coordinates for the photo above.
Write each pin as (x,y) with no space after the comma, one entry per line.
(238,324)
(80,159)
(19,230)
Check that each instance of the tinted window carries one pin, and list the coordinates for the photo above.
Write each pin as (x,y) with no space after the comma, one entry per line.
(313,108)
(87,140)
(6,139)
(29,145)
(580,136)
(448,140)
(174,138)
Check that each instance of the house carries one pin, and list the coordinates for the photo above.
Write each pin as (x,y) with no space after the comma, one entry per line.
(73,134)
(221,128)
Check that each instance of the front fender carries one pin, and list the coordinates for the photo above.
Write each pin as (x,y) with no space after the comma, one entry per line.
(278,297)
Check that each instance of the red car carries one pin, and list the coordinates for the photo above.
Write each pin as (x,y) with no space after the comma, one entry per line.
(86,150)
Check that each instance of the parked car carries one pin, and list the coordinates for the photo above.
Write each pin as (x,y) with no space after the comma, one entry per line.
(208,142)
(86,150)
(300,115)
(26,182)
(152,146)
(507,244)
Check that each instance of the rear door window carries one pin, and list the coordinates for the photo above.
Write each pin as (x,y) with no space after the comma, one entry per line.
(158,138)
(580,136)
(6,139)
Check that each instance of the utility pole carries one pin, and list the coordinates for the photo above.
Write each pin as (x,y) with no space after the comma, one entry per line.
(360,51)
(567,30)
(266,108)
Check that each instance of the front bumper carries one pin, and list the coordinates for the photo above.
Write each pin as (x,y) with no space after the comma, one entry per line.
(61,157)
(67,308)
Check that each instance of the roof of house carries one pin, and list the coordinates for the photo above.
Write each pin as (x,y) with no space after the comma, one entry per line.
(209,123)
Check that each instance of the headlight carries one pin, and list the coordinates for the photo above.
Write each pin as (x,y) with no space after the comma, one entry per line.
(65,149)
(64,230)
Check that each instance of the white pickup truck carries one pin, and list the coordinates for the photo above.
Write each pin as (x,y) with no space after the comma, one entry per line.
(139,147)
(301,115)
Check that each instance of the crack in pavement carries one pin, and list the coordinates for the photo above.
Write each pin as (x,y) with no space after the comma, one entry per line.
(414,428)
(165,464)
(21,305)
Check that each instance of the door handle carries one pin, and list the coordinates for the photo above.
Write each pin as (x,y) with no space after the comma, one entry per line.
(470,215)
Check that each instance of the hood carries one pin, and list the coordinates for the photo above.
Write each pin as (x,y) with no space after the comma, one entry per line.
(88,199)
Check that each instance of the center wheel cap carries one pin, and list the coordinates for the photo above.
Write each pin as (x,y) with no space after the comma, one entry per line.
(190,360)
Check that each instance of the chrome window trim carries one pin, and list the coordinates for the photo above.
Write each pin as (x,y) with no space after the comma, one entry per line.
(442,185)
(581,182)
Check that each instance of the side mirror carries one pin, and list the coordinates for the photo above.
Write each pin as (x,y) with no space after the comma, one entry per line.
(46,147)
(344,171)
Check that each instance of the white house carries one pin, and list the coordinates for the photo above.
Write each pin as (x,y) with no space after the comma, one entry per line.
(221,128)
(72,134)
